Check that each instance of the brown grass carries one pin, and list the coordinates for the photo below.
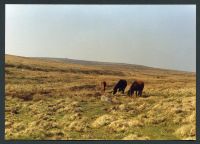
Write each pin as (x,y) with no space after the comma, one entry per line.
(48,99)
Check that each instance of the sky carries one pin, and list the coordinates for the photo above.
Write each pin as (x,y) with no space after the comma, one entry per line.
(162,36)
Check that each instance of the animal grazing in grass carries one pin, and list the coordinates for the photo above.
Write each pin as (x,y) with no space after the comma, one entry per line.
(103,84)
(120,86)
(136,86)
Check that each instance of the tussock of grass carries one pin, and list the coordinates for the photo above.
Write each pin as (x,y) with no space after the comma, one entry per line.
(102,121)
(122,125)
(186,131)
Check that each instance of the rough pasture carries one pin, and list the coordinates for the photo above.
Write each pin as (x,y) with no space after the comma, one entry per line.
(46,99)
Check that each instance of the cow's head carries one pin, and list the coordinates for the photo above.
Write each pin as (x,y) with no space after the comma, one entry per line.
(114,91)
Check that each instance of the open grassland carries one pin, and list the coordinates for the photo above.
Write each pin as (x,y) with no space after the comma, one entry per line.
(47,99)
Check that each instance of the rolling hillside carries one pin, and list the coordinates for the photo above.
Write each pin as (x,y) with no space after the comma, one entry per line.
(51,98)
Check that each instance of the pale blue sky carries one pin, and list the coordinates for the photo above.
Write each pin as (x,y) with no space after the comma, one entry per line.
(153,35)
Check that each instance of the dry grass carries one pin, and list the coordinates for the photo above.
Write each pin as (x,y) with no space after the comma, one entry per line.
(56,100)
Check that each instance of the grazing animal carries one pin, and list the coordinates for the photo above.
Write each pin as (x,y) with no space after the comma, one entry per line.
(103,84)
(137,86)
(120,86)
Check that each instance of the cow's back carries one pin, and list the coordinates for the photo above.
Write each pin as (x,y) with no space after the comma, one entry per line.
(121,84)
(137,85)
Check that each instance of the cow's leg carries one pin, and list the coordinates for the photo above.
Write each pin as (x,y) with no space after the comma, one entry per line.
(132,92)
(141,93)
(117,90)
(123,91)
(138,93)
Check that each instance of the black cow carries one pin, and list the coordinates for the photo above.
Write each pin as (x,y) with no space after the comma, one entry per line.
(120,86)
(137,86)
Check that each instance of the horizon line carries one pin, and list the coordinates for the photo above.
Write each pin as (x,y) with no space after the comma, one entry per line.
(104,62)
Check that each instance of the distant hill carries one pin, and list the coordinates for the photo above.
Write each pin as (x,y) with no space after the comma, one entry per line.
(110,64)
(101,64)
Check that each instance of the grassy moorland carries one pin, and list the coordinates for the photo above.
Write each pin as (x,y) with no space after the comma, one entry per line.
(52,99)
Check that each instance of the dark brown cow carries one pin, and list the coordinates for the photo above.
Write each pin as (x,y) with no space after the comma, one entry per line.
(137,86)
(103,85)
